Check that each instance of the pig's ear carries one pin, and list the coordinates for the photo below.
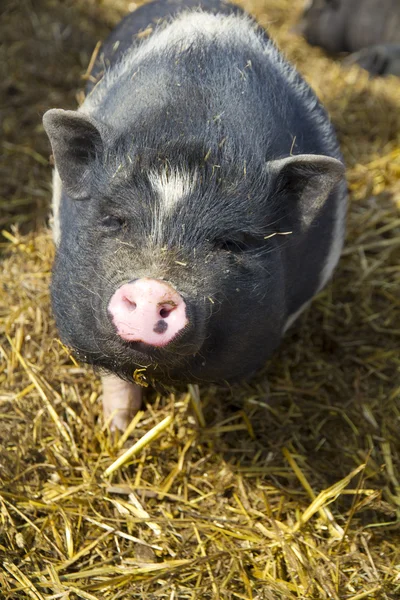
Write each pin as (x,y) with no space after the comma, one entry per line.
(76,142)
(309,178)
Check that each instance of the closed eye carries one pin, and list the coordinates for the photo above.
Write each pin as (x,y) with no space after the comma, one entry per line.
(112,222)
(239,242)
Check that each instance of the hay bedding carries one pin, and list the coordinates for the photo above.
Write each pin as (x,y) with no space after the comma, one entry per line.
(283,490)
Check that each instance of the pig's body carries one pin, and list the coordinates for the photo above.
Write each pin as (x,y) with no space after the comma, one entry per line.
(182,175)
(370,29)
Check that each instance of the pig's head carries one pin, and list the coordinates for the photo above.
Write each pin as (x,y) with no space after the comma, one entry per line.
(324,24)
(168,257)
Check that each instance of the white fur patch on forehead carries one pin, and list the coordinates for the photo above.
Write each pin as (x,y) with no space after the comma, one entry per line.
(172,186)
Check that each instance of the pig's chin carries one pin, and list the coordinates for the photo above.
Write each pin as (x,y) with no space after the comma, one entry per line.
(185,343)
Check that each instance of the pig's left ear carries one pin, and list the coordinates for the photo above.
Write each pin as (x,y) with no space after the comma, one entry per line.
(77,141)
(309,178)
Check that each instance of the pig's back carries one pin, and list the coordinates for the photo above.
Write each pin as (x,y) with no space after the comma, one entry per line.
(141,23)
(206,72)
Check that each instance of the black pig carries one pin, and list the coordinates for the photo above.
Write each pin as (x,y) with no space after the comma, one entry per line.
(199,202)
(370,29)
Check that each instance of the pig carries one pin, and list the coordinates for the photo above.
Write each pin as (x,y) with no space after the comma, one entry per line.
(199,203)
(369,29)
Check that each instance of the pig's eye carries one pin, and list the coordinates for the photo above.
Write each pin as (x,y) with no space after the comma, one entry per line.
(238,243)
(113,223)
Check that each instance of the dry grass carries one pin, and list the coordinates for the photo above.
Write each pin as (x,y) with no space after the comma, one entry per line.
(281,490)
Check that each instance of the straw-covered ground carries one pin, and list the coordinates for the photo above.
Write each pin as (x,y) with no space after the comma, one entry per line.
(285,487)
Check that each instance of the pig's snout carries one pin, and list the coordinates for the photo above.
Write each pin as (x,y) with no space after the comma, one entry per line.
(148,311)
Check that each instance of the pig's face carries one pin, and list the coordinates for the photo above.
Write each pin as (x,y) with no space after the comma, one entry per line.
(324,22)
(169,260)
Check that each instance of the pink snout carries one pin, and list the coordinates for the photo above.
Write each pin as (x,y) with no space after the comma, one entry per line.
(149,311)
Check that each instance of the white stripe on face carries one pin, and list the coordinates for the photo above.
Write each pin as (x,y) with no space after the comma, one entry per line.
(171,187)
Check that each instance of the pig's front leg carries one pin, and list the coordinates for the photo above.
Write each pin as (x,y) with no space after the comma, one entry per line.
(120,398)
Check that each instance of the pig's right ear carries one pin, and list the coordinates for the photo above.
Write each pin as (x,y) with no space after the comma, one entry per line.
(76,141)
(309,178)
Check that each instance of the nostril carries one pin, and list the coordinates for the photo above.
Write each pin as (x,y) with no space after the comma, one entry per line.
(149,311)
(165,311)
(129,304)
